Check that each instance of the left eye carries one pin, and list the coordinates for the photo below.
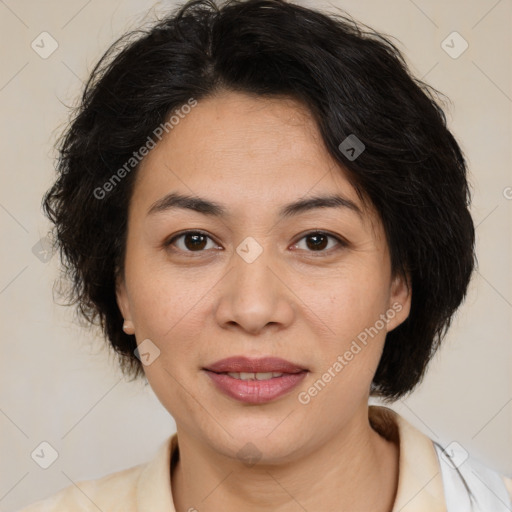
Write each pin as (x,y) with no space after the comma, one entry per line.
(318,241)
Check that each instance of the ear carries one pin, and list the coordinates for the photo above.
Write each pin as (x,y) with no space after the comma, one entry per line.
(124,304)
(399,305)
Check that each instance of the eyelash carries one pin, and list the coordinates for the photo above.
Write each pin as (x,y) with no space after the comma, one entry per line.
(341,242)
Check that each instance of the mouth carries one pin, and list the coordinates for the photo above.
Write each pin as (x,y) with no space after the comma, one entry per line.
(255,381)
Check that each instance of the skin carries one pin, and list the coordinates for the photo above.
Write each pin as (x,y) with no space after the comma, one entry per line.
(254,155)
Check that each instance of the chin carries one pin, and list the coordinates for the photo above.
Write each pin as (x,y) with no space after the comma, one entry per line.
(261,443)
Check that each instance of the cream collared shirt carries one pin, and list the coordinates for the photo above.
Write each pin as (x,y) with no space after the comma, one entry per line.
(147,487)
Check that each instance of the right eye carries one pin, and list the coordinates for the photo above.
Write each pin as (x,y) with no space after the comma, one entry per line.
(190,241)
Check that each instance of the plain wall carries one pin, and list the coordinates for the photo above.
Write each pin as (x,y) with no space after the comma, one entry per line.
(57,382)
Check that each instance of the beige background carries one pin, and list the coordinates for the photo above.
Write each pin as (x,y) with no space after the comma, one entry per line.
(57,383)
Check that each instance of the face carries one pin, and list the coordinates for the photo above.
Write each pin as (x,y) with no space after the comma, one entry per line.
(252,275)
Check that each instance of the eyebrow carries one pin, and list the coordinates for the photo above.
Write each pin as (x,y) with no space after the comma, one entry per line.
(212,208)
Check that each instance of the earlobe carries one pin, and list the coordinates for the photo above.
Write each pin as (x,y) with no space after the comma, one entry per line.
(399,301)
(128,327)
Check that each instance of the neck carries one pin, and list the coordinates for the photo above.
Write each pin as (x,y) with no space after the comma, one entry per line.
(355,470)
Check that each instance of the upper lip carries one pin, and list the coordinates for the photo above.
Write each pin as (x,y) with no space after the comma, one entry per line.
(244,364)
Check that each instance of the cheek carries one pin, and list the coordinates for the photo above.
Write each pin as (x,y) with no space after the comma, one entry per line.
(348,310)
(348,303)
(169,309)
(170,313)
(348,356)
(163,302)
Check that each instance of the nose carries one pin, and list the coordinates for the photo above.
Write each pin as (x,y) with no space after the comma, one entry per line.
(254,296)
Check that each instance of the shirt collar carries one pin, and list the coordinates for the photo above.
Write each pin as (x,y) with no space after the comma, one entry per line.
(420,484)
(154,484)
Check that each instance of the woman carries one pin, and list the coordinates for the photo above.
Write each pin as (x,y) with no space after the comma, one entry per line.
(269,217)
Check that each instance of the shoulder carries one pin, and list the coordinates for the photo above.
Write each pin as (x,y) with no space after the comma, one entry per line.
(438,476)
(469,480)
(113,492)
(141,487)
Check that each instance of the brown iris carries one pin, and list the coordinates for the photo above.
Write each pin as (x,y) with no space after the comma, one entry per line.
(320,241)
(195,241)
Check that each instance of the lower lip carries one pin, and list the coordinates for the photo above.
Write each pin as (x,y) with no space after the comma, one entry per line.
(256,391)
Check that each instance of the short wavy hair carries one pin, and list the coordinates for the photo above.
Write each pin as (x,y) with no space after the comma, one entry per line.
(352,79)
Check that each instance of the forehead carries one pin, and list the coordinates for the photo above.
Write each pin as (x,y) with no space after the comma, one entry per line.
(235,127)
(244,150)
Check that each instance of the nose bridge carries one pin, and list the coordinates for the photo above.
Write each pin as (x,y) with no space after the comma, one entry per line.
(252,295)
(252,273)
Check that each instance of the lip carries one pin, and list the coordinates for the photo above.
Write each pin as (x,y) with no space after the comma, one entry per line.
(239,364)
(255,391)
